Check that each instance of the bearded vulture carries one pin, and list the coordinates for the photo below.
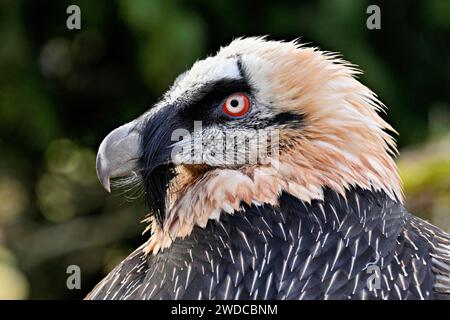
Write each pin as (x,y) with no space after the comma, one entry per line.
(269,174)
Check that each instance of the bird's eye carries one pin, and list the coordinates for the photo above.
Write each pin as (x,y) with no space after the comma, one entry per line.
(236,105)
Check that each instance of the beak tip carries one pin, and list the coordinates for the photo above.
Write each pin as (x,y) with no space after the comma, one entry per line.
(103,175)
(106,184)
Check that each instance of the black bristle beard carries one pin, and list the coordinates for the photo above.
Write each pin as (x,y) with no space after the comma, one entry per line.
(156,184)
(157,168)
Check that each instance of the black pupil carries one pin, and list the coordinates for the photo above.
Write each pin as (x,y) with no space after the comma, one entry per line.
(234,103)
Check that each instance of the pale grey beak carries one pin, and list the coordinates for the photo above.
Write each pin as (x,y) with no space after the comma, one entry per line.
(118,154)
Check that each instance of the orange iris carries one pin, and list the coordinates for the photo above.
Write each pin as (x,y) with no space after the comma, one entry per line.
(236,105)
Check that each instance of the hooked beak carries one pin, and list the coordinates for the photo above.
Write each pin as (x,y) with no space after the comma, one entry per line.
(118,154)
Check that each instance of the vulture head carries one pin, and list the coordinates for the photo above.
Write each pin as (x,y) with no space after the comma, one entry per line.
(239,128)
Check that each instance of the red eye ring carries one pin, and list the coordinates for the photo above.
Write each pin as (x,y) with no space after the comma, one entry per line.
(236,105)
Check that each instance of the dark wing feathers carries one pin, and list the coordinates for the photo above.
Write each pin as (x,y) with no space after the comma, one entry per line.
(322,250)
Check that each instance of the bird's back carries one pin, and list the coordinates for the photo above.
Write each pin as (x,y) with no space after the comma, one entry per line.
(366,246)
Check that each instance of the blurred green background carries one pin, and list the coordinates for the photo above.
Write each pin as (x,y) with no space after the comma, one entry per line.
(62,91)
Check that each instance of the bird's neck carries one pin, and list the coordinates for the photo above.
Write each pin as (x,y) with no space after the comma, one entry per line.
(194,198)
(357,210)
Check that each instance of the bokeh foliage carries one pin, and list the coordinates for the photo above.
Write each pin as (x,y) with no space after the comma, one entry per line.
(62,91)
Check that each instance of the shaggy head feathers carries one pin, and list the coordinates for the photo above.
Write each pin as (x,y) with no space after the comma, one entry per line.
(341,142)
